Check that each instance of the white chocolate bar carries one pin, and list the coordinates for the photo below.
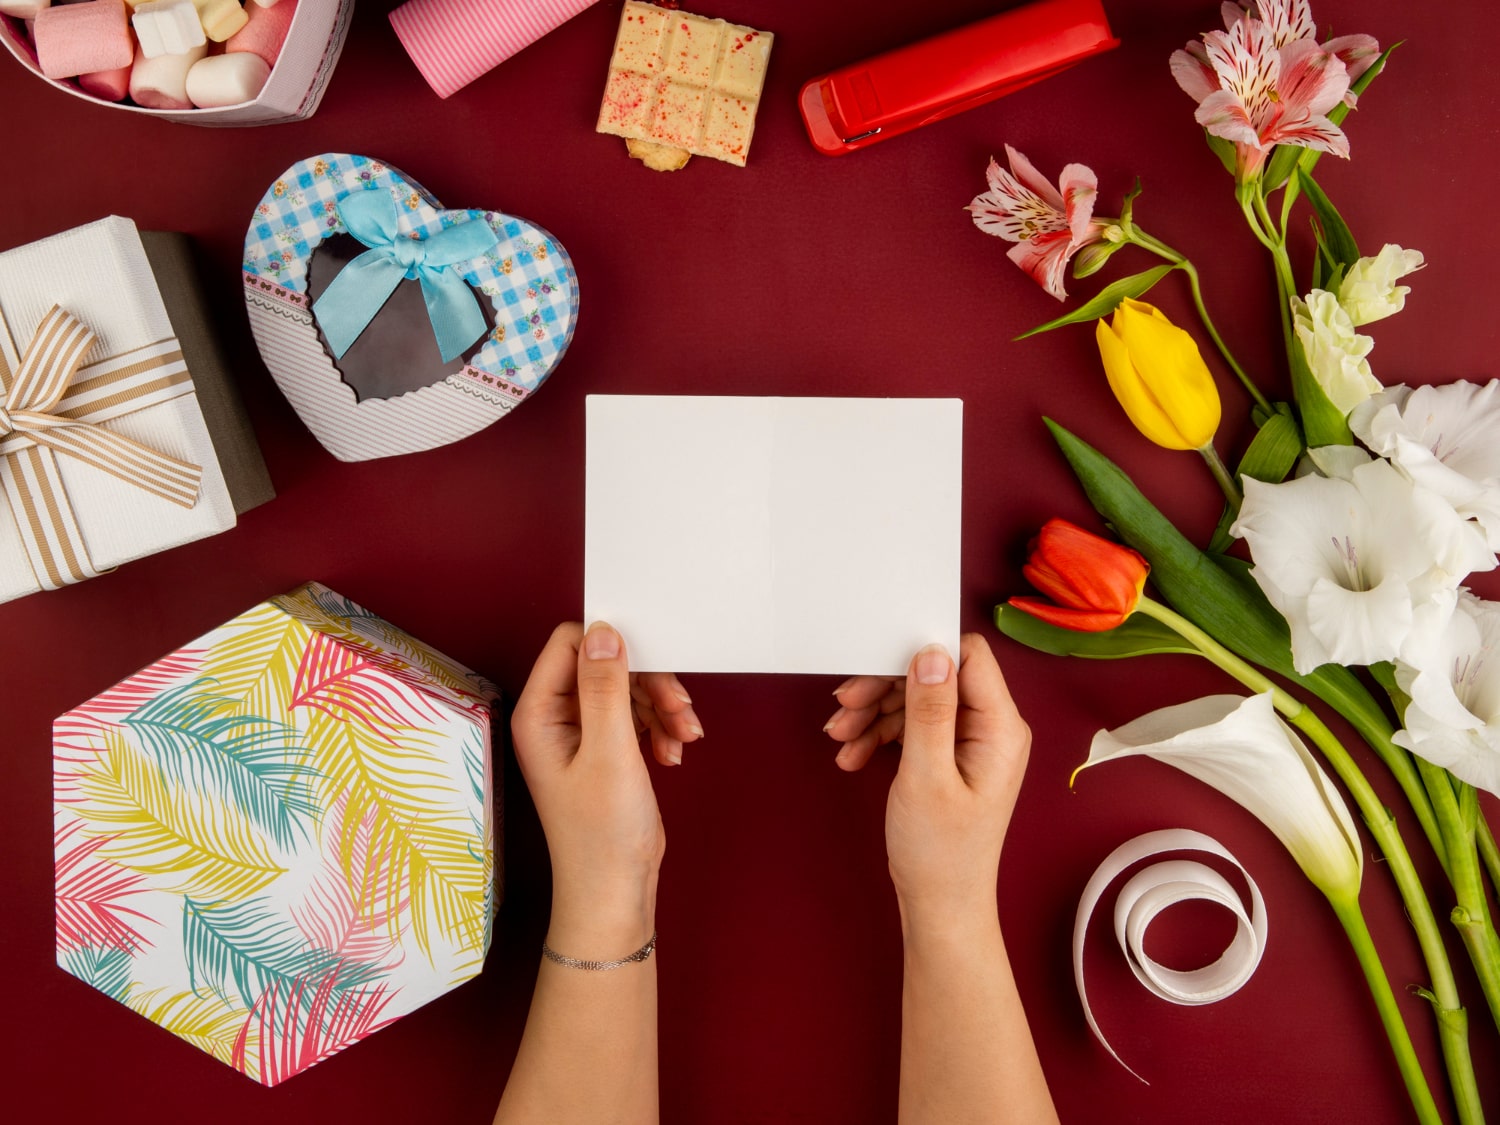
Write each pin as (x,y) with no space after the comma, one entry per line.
(684,81)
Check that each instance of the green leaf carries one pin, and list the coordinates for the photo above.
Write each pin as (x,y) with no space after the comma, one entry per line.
(1271,455)
(1106,300)
(1138,636)
(1335,240)
(1224,150)
(1275,449)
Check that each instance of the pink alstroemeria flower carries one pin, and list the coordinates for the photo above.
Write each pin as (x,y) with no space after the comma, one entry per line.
(1263,82)
(1290,20)
(1048,224)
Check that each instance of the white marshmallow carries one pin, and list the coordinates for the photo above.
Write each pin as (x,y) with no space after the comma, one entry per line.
(221,80)
(161,83)
(167,27)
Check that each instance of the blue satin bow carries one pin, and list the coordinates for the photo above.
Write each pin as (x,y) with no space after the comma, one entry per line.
(349,304)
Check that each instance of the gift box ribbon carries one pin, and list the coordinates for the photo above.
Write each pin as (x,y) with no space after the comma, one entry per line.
(354,297)
(52,408)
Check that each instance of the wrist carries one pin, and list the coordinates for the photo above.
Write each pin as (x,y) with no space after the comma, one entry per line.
(949,919)
(601,919)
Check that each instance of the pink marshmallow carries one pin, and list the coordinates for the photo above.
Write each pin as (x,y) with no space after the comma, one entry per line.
(82,38)
(266,31)
(161,83)
(109,85)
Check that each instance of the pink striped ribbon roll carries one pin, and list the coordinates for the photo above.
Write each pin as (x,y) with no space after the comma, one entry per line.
(453,42)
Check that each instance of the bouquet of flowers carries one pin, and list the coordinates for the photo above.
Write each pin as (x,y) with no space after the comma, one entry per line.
(1350,525)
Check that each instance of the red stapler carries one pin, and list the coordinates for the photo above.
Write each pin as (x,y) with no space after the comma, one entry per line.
(882,97)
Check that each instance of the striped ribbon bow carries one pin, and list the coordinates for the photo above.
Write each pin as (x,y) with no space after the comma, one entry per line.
(36,423)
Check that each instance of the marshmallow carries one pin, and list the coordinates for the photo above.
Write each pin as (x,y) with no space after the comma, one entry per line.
(220,18)
(22,9)
(82,38)
(161,83)
(266,31)
(167,27)
(108,85)
(221,80)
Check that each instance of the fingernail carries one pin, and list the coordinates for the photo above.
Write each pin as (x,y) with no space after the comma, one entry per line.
(847,683)
(682,695)
(675,759)
(837,715)
(695,730)
(601,642)
(933,665)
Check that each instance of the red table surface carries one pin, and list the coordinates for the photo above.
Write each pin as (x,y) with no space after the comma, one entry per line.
(780,955)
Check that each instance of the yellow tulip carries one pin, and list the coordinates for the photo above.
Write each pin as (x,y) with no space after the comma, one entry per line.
(1158,376)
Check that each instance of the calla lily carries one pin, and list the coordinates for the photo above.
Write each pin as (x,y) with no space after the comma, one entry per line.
(1356,564)
(1048,224)
(1095,584)
(1369,291)
(1335,353)
(1237,745)
(1453,679)
(1259,95)
(1158,375)
(1446,438)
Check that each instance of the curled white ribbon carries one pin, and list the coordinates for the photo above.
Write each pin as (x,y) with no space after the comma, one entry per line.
(1150,891)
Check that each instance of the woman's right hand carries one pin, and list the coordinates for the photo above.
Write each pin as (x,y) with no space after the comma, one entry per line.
(964,753)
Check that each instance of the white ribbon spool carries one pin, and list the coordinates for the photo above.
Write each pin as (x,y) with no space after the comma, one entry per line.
(1151,891)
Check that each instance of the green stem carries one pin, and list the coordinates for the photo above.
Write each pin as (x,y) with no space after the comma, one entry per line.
(1366,717)
(1471,916)
(1274,240)
(1182,262)
(1489,853)
(1222,476)
(1353,921)
(1452,1023)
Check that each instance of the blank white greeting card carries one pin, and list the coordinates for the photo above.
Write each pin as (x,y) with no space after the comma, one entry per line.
(816,535)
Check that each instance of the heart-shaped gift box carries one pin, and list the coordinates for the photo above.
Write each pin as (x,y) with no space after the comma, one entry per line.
(472,309)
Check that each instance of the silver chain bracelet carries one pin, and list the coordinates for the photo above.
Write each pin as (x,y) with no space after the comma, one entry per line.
(599,966)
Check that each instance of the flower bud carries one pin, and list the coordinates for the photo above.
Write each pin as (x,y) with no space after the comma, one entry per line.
(1095,584)
(1335,353)
(1369,291)
(1158,376)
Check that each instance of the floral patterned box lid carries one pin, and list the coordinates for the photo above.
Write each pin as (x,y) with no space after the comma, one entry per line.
(280,838)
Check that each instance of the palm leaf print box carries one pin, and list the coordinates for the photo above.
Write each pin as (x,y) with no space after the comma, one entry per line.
(279,839)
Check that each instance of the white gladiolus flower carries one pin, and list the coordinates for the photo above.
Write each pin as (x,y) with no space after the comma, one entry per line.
(1355,564)
(1240,747)
(1445,438)
(1335,352)
(1453,678)
(1369,291)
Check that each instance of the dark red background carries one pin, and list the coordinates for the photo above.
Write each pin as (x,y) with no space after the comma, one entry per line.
(800,275)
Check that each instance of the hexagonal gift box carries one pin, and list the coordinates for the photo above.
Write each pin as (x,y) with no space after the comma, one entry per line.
(279,839)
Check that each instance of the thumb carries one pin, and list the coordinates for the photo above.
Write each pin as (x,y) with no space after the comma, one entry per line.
(931,710)
(604,706)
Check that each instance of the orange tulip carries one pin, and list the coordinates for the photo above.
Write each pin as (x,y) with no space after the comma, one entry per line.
(1094,584)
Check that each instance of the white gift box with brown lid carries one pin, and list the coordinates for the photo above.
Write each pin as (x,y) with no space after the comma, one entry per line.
(131,382)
